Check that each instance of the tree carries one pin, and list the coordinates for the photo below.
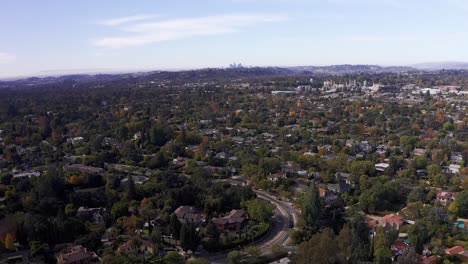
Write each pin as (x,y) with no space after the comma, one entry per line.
(321,248)
(260,211)
(189,239)
(382,242)
(408,257)
(234,257)
(36,248)
(311,210)
(417,194)
(344,241)
(418,234)
(461,204)
(9,242)
(198,261)
(212,236)
(131,191)
(253,251)
(173,258)
(174,226)
(119,209)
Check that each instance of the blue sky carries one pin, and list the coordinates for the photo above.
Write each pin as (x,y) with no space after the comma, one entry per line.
(46,36)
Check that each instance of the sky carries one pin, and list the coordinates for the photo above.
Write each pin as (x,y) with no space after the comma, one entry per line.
(65,36)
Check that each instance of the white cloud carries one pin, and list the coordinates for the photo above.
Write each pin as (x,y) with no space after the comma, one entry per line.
(142,33)
(6,57)
(123,20)
(381,38)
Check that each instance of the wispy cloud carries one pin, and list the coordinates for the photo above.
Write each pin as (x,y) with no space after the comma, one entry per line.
(142,33)
(6,57)
(381,38)
(123,20)
(390,3)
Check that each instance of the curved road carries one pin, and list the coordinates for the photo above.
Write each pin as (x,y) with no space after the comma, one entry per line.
(285,216)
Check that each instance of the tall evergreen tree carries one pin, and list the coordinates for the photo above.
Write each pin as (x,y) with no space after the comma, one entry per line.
(311,210)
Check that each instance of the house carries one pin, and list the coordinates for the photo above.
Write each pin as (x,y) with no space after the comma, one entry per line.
(343,176)
(138,245)
(422,174)
(381,166)
(399,247)
(84,169)
(75,140)
(340,187)
(445,198)
(456,250)
(231,222)
(77,255)
(137,179)
(392,220)
(238,140)
(456,157)
(275,177)
(326,194)
(95,215)
(419,152)
(23,175)
(179,161)
(222,155)
(189,214)
(382,149)
(454,168)
(137,135)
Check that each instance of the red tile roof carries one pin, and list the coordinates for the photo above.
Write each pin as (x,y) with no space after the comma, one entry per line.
(77,255)
(446,195)
(392,219)
(454,250)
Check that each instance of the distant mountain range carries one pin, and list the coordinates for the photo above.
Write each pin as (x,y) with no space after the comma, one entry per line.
(242,72)
(349,69)
(448,65)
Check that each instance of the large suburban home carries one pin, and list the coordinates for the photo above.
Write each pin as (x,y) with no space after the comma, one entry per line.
(326,194)
(275,177)
(381,166)
(392,220)
(456,250)
(137,245)
(137,179)
(231,222)
(77,255)
(399,247)
(340,187)
(189,214)
(445,198)
(95,215)
(456,157)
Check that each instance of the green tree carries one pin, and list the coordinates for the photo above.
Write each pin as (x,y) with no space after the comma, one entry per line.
(311,210)
(173,258)
(189,239)
(174,226)
(260,211)
(321,248)
(234,257)
(253,251)
(119,209)
(408,257)
(461,204)
(36,248)
(198,261)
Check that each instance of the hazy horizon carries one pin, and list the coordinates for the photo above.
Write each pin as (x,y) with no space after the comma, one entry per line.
(150,35)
